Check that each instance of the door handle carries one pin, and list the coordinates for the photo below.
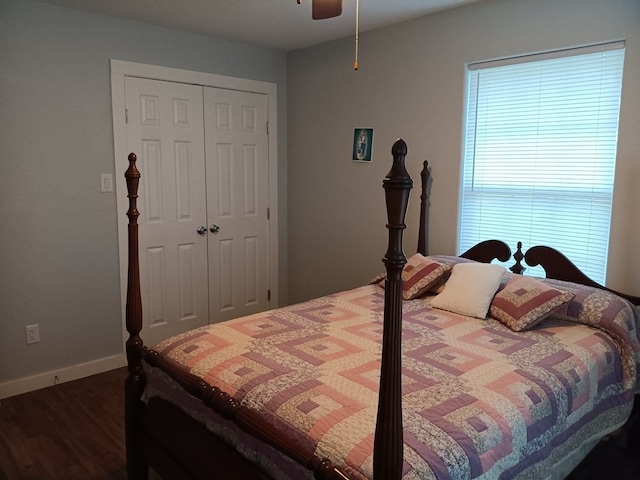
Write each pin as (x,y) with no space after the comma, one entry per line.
(214,228)
(202,230)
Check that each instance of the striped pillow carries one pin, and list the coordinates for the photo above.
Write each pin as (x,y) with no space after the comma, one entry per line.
(525,301)
(421,274)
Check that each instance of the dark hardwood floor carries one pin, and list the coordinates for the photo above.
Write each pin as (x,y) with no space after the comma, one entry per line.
(70,431)
(75,430)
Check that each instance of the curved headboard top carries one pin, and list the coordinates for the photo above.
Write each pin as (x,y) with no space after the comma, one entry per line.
(488,250)
(555,264)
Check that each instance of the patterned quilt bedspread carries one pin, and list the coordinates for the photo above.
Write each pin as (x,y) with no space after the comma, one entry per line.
(479,400)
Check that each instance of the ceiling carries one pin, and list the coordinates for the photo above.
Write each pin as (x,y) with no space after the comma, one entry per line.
(278,24)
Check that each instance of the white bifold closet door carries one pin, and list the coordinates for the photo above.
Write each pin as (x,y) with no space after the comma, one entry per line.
(237,152)
(203,202)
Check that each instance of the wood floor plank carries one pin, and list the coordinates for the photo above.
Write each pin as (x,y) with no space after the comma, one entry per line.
(70,431)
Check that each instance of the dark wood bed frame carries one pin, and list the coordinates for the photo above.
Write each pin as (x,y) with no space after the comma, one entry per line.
(161,436)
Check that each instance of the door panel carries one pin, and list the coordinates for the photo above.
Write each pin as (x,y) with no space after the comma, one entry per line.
(237,202)
(166,129)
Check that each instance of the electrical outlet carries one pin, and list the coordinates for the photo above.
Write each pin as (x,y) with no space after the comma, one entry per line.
(33,333)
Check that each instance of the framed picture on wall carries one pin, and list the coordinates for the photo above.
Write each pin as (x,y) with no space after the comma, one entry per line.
(362,144)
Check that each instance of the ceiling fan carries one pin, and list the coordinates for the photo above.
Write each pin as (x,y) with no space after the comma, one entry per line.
(321,9)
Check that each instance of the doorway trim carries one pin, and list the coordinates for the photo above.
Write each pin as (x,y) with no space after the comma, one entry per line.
(121,69)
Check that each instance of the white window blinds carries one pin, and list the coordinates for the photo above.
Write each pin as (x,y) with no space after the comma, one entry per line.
(539,154)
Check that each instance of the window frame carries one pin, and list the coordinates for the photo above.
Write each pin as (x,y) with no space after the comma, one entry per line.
(594,265)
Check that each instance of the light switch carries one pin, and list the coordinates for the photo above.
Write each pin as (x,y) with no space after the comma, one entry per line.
(106,182)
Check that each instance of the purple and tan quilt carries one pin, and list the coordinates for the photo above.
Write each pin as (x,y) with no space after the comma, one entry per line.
(479,400)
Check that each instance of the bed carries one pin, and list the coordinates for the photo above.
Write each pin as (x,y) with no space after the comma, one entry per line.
(420,373)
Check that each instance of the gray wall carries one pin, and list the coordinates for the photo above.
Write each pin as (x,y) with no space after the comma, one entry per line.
(59,242)
(411,85)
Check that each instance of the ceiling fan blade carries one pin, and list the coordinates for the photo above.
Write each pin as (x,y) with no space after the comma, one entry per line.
(321,9)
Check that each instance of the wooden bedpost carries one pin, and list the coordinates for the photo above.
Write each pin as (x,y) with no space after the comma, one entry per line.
(389,443)
(424,197)
(134,384)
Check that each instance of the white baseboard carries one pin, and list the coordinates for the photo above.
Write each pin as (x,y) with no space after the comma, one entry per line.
(47,379)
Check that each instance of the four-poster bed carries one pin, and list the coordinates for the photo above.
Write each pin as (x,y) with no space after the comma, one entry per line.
(362,384)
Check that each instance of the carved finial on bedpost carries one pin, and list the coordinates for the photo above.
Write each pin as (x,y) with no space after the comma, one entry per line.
(389,443)
(424,197)
(134,383)
(518,257)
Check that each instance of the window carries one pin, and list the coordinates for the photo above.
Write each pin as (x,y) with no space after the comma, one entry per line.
(539,154)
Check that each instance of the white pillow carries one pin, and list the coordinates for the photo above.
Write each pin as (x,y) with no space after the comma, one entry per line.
(470,289)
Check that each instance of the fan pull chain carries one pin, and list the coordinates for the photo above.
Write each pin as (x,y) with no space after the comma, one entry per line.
(355,64)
